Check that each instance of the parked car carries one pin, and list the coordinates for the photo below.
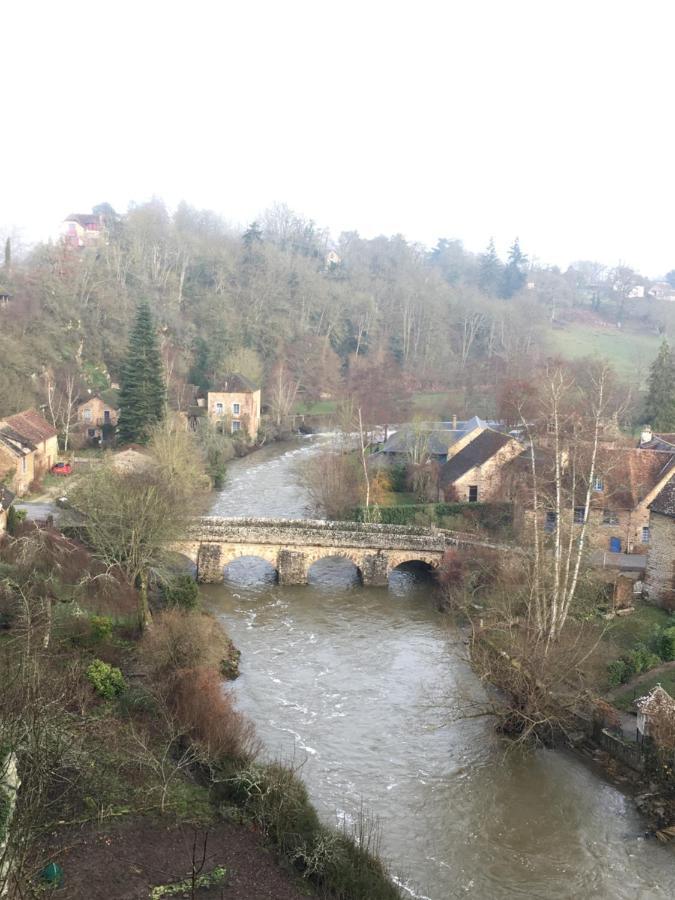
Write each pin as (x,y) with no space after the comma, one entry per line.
(62,468)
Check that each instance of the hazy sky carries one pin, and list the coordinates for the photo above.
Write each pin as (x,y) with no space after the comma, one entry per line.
(549,120)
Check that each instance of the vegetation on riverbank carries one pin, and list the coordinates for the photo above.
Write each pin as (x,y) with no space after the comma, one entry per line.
(115,727)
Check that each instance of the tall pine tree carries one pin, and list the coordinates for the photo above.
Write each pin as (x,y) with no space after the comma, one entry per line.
(660,403)
(489,269)
(515,272)
(142,389)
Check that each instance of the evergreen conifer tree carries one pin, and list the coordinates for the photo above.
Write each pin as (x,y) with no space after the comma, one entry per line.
(514,273)
(490,269)
(660,403)
(142,389)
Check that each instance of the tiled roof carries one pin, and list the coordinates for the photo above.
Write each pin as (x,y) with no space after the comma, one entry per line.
(30,425)
(664,502)
(476,453)
(15,443)
(441,435)
(629,474)
(236,384)
(83,219)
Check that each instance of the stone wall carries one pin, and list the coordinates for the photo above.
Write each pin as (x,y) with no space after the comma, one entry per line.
(661,561)
(316,532)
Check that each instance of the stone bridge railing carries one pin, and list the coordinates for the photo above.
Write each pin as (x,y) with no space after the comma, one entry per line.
(293,545)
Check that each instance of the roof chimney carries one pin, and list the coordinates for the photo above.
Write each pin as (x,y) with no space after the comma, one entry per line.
(646,435)
(454,423)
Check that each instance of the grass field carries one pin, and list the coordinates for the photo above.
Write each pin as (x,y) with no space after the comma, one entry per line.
(627,631)
(631,353)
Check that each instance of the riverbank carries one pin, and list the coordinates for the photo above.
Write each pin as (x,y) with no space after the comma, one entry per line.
(140,752)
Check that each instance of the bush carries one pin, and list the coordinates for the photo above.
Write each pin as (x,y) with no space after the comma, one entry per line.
(641,659)
(182,591)
(182,640)
(618,672)
(101,628)
(398,478)
(107,681)
(666,648)
(207,712)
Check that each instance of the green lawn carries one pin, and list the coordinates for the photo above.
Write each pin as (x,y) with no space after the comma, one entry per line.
(627,631)
(631,353)
(624,699)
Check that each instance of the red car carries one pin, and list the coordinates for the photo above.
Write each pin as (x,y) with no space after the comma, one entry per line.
(62,468)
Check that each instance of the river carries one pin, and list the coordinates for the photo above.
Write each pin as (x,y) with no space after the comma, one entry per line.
(360,688)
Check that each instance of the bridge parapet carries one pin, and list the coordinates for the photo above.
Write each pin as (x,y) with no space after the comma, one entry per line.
(318,533)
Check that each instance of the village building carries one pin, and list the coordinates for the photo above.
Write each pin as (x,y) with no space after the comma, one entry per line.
(656,717)
(433,440)
(80,230)
(626,481)
(96,419)
(649,440)
(472,472)
(6,500)
(28,448)
(234,406)
(660,576)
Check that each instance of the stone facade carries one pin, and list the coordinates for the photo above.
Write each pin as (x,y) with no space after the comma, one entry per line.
(661,561)
(92,415)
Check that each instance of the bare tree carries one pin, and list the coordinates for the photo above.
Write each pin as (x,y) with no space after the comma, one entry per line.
(62,404)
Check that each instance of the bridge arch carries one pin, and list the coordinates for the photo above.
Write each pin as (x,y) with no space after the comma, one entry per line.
(331,565)
(249,569)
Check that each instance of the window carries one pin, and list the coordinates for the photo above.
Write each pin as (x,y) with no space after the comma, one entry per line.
(236,426)
(23,463)
(91,432)
(551,519)
(236,409)
(645,534)
(598,484)
(219,409)
(106,416)
(579,515)
(609,517)
(473,493)
(87,415)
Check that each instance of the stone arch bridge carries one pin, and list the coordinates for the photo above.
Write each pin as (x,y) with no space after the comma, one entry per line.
(293,545)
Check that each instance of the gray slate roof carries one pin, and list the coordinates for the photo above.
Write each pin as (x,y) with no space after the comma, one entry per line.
(664,502)
(476,453)
(441,436)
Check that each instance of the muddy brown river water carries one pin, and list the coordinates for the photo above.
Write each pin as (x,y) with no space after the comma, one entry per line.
(360,687)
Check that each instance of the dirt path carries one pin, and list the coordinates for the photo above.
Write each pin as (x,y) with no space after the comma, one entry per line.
(125,862)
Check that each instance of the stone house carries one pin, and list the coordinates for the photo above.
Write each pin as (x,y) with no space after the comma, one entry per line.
(28,448)
(434,440)
(6,500)
(234,406)
(626,481)
(94,415)
(660,576)
(472,472)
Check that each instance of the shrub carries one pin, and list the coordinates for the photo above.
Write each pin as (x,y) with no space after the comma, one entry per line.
(207,712)
(182,640)
(618,672)
(398,478)
(641,659)
(107,681)
(182,591)
(667,644)
(101,628)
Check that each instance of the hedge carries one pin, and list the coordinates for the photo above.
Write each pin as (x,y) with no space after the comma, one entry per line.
(491,516)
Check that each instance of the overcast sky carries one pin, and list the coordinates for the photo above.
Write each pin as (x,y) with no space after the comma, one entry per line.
(549,120)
